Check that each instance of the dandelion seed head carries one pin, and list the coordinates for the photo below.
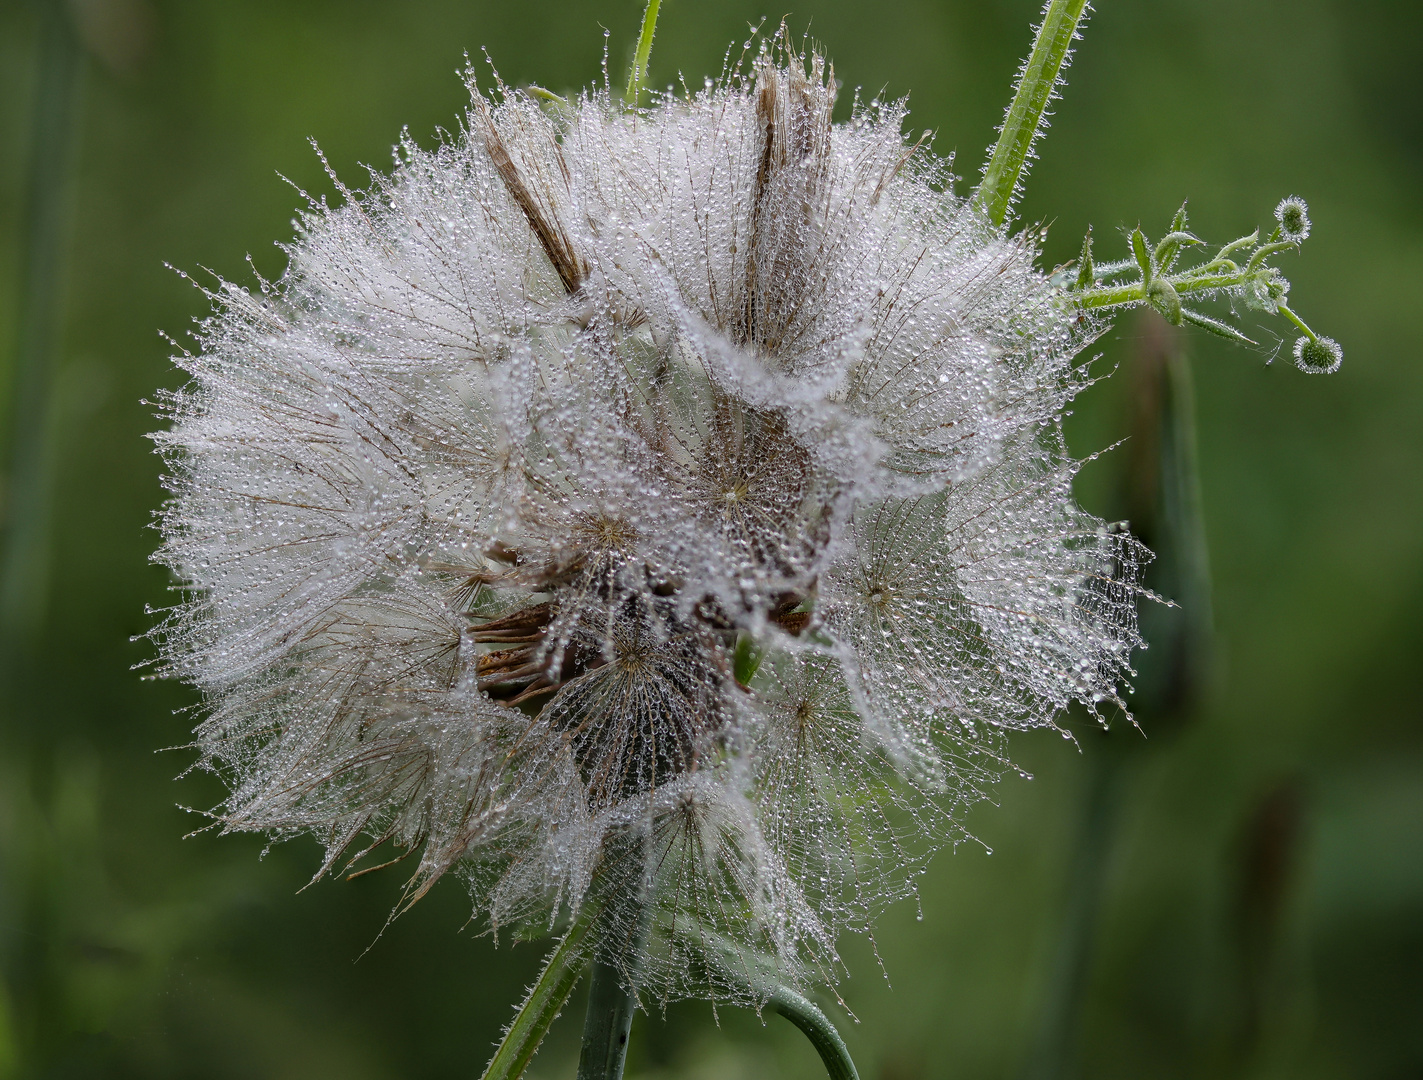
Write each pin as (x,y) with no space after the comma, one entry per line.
(477,506)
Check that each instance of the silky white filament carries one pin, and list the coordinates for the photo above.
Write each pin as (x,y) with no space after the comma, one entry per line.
(669,501)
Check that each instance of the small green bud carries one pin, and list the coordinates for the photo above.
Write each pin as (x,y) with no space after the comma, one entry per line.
(1170,248)
(1293,216)
(1268,290)
(1143,255)
(1086,273)
(1161,295)
(1318,356)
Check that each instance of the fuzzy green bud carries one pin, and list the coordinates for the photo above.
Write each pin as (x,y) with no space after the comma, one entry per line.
(1293,216)
(1086,276)
(1161,295)
(1318,356)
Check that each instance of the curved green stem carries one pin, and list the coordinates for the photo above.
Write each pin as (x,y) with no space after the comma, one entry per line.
(1264,251)
(1287,313)
(805,1015)
(1236,245)
(545,1000)
(1024,119)
(644,50)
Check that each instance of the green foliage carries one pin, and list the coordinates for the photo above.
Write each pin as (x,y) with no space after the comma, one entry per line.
(1241,271)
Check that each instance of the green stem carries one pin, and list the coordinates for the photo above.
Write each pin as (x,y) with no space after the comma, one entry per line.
(1264,251)
(644,50)
(1287,313)
(607,1025)
(1115,296)
(623,929)
(1024,118)
(804,1014)
(1135,293)
(545,1000)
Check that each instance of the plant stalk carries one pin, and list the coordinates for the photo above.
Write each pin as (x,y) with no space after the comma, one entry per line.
(545,1000)
(805,1015)
(1110,296)
(607,1025)
(1024,119)
(623,929)
(638,74)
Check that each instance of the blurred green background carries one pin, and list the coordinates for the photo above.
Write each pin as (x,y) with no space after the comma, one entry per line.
(1257,909)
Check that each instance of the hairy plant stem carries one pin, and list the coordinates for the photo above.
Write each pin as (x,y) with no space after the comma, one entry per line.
(1030,100)
(545,1000)
(644,50)
(805,1015)
(1110,296)
(1300,323)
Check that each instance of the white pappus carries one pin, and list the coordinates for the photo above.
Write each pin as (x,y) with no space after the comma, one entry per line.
(666,503)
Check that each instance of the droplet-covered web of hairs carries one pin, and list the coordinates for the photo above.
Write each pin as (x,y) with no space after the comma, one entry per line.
(485,509)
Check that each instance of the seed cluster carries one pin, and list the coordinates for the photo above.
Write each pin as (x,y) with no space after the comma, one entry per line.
(659,514)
